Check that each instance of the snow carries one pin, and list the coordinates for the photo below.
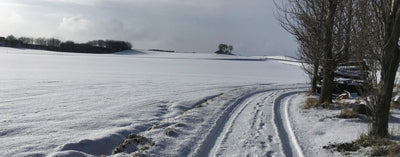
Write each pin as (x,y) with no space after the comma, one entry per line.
(188,104)
(315,128)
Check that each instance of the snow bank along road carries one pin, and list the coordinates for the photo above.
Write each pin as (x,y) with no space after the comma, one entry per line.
(62,104)
(244,121)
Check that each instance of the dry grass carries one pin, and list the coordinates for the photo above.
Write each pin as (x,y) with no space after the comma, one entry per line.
(140,142)
(367,141)
(311,102)
(394,150)
(327,105)
(380,146)
(347,113)
(391,150)
(395,105)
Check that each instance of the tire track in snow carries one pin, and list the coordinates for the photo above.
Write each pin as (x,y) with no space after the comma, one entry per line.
(248,132)
(223,127)
(235,120)
(283,127)
(212,137)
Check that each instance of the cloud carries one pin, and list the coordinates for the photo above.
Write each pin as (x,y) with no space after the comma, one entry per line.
(76,2)
(74,24)
(189,25)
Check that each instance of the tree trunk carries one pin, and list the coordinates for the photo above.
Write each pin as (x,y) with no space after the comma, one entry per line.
(315,78)
(390,64)
(328,65)
(327,84)
(388,74)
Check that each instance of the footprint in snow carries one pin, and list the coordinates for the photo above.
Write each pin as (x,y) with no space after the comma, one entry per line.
(269,153)
(319,133)
(270,138)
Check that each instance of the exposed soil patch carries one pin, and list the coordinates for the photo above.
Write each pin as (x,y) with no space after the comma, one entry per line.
(135,143)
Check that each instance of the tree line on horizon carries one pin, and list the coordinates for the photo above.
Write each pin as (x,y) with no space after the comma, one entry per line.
(53,44)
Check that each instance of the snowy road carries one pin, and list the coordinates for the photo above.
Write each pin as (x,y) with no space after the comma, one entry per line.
(257,125)
(245,121)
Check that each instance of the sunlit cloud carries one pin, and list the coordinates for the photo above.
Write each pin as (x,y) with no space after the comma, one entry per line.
(74,24)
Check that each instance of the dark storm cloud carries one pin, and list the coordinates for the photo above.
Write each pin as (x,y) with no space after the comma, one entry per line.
(182,25)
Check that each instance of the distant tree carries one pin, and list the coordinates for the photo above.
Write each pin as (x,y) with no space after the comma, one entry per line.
(101,43)
(222,47)
(53,42)
(230,48)
(11,38)
(2,39)
(12,41)
(67,46)
(114,45)
(127,45)
(94,43)
(26,40)
(41,41)
(109,44)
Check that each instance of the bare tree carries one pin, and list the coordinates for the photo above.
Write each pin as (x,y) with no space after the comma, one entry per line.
(386,31)
(328,55)
(41,41)
(12,41)
(312,22)
(94,43)
(11,37)
(376,30)
(26,40)
(224,49)
(102,43)
(230,48)
(364,29)
(343,31)
(303,19)
(53,42)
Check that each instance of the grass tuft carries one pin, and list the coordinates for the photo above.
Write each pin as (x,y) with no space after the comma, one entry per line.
(135,141)
(311,102)
(380,146)
(347,113)
(394,105)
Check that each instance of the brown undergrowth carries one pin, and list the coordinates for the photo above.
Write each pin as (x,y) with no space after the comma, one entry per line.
(376,146)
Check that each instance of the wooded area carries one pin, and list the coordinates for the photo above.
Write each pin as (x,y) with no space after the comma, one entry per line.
(53,44)
(333,32)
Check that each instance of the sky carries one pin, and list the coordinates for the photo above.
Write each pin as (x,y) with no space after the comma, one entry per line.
(180,25)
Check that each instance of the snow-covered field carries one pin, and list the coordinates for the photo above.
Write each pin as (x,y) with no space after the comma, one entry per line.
(68,104)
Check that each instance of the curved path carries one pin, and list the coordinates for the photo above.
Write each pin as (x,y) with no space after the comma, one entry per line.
(244,121)
(256,124)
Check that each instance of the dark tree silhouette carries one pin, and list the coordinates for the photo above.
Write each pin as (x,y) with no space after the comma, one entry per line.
(224,49)
(53,44)
(26,40)
(11,40)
